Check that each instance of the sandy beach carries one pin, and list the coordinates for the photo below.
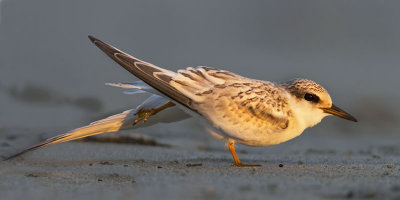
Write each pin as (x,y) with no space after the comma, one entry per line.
(192,165)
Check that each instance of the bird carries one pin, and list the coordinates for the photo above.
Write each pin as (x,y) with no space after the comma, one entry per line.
(232,108)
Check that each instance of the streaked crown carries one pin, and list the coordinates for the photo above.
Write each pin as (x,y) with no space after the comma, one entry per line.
(309,90)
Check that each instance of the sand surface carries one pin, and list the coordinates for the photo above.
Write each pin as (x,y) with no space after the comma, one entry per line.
(195,166)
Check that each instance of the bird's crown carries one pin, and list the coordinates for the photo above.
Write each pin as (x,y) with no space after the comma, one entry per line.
(299,87)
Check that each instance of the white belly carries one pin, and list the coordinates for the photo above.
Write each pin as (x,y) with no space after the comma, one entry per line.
(251,135)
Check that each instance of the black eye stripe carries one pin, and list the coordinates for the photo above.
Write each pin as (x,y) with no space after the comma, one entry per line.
(311,97)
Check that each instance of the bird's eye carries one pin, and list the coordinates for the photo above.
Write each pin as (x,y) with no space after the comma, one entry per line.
(311,97)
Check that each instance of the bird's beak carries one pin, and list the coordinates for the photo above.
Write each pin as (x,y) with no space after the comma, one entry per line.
(334,110)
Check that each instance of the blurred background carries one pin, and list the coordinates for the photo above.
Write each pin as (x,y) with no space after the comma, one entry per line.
(52,77)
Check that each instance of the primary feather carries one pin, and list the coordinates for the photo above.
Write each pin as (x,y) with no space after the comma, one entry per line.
(118,122)
(154,76)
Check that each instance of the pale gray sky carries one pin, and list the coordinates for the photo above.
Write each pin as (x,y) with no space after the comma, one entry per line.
(350,47)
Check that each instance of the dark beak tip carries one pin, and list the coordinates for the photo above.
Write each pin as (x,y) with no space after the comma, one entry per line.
(350,117)
(334,110)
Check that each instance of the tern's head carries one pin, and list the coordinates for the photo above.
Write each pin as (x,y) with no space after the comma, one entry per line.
(312,102)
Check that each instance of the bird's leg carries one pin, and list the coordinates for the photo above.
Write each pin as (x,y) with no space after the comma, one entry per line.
(145,114)
(231,147)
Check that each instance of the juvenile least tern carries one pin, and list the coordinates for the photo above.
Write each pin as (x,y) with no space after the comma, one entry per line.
(234,108)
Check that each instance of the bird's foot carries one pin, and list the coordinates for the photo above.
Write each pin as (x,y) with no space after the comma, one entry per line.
(143,115)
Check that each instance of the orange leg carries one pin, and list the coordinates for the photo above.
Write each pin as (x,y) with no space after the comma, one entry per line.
(231,147)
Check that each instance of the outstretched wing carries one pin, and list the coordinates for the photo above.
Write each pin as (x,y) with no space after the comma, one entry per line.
(121,121)
(152,75)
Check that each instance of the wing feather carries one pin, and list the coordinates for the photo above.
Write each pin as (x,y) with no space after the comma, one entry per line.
(121,121)
(147,72)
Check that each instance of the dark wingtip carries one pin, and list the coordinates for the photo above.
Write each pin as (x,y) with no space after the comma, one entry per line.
(28,150)
(92,39)
(106,48)
(354,120)
(14,156)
